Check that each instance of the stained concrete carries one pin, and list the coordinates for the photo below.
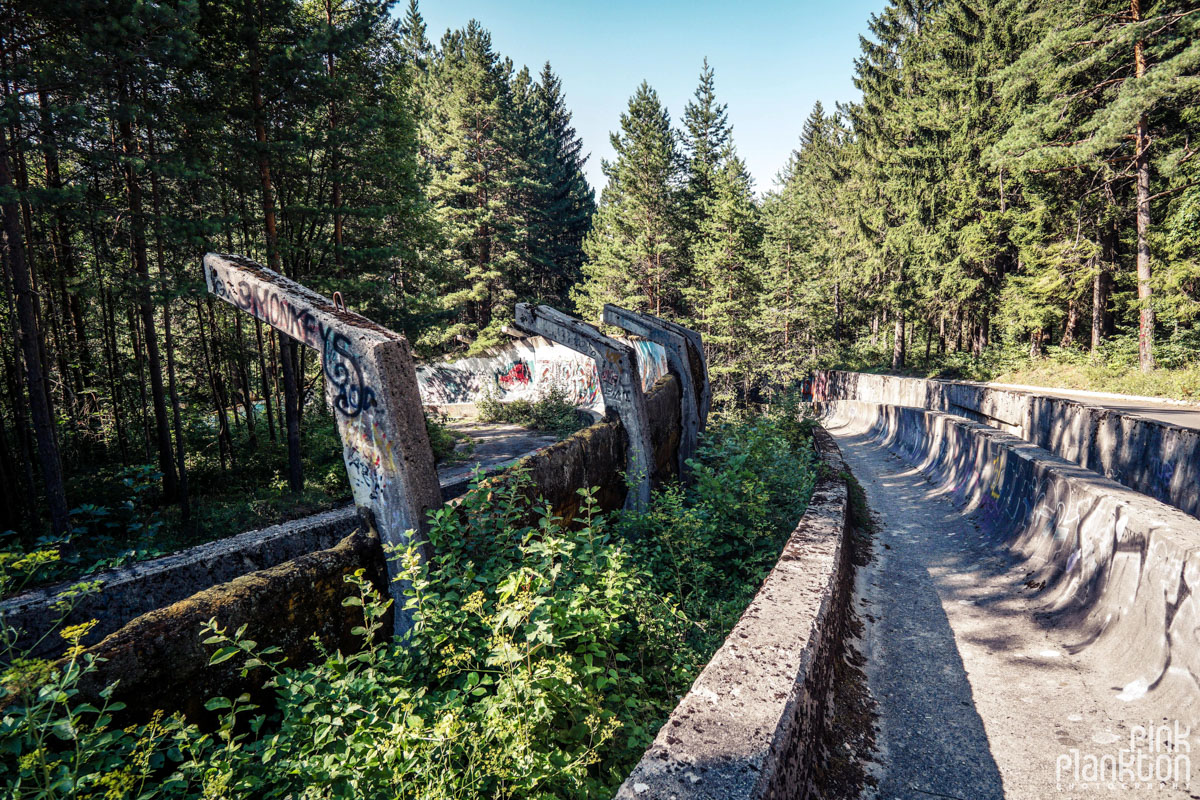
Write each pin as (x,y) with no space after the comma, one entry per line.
(496,446)
(979,692)
(1144,445)
(750,725)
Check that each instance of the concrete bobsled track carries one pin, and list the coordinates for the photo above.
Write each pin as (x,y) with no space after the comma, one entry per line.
(1116,570)
(526,370)
(1149,455)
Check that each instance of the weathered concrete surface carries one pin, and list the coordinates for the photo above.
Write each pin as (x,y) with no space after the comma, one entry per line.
(747,727)
(1114,568)
(161,661)
(596,457)
(134,590)
(131,591)
(620,384)
(1158,459)
(676,346)
(979,694)
(526,370)
(371,387)
(496,447)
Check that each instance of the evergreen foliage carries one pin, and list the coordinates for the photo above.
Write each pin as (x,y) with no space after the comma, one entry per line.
(433,186)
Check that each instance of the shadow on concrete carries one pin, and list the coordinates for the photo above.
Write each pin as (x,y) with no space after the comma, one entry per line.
(936,742)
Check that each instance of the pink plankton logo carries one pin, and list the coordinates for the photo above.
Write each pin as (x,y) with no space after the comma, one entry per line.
(1157,756)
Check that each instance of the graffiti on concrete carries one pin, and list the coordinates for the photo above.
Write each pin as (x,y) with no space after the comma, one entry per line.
(440,384)
(368,373)
(514,376)
(576,378)
(528,370)
(343,366)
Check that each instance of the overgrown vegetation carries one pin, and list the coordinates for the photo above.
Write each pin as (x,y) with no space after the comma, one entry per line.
(553,411)
(544,657)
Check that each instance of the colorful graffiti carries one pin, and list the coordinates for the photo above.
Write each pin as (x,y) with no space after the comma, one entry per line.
(514,376)
(528,369)
(577,378)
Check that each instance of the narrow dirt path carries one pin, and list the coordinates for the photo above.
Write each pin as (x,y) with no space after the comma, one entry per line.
(977,699)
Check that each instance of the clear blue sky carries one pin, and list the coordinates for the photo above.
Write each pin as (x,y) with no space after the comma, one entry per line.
(773,60)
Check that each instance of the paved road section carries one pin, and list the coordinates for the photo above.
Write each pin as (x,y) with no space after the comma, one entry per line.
(1185,416)
(496,446)
(977,699)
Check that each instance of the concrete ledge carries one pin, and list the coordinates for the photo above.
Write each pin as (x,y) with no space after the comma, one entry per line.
(130,591)
(748,726)
(1119,568)
(160,659)
(137,589)
(1152,457)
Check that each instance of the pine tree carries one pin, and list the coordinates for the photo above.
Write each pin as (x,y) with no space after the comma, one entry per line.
(634,248)
(728,253)
(567,203)
(476,173)
(1098,86)
(706,137)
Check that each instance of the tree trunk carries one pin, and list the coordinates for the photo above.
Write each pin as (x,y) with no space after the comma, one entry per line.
(1068,337)
(291,396)
(224,439)
(334,166)
(29,335)
(133,188)
(266,385)
(185,508)
(243,369)
(1142,164)
(290,388)
(898,342)
(1035,344)
(61,238)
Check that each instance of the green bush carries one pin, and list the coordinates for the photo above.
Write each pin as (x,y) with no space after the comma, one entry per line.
(553,411)
(544,656)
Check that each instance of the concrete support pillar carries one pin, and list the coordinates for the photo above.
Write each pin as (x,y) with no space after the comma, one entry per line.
(371,385)
(699,364)
(620,383)
(676,344)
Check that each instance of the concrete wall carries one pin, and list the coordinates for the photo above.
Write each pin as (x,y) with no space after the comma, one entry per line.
(159,658)
(128,592)
(748,726)
(526,369)
(1120,569)
(1154,458)
(131,591)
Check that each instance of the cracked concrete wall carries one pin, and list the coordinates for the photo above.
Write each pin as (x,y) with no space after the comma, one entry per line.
(1155,458)
(749,724)
(1119,568)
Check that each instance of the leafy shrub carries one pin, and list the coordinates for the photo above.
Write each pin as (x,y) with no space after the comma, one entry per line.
(444,440)
(553,411)
(543,658)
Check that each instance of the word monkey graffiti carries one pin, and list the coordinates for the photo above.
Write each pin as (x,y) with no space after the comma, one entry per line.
(342,366)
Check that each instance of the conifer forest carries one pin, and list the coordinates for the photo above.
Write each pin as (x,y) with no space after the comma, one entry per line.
(1017,186)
